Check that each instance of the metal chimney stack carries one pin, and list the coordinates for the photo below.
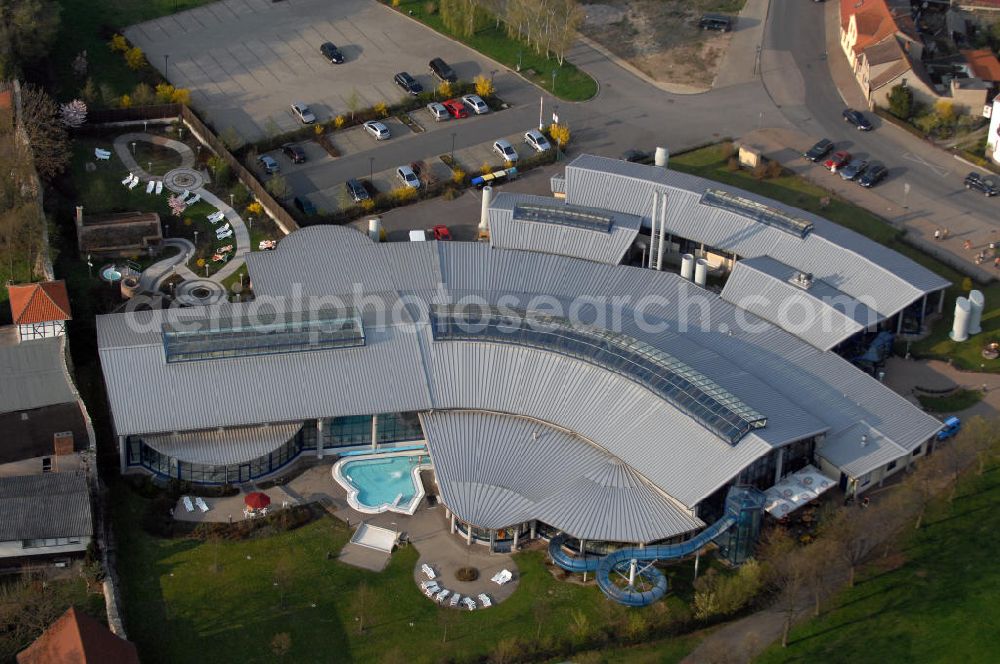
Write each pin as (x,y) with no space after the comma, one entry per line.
(700,272)
(687,266)
(661,157)
(960,329)
(976,302)
(484,215)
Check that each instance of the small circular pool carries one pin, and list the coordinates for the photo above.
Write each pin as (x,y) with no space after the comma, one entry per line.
(111,274)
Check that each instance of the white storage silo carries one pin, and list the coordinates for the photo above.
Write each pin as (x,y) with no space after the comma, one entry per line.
(484,214)
(687,266)
(960,329)
(700,272)
(375,229)
(976,301)
(661,157)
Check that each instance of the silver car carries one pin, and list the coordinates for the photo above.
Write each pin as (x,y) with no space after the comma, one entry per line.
(506,151)
(536,140)
(476,103)
(302,112)
(408,177)
(377,129)
(437,110)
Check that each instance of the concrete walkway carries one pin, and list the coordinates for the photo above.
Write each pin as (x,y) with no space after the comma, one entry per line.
(154,275)
(240,232)
(904,375)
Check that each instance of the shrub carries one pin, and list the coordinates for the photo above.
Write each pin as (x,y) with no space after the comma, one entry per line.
(164,93)
(451,193)
(278,187)
(718,595)
(444,90)
(134,58)
(368,205)
(773,169)
(143,95)
(339,121)
(487,167)
(125,102)
(404,194)
(255,208)
(231,139)
(458,176)
(901,102)
(181,96)
(484,86)
(395,3)
(319,129)
(118,43)
(759,171)
(381,109)
(560,133)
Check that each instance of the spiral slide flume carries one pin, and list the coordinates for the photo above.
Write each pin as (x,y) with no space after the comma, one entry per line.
(620,562)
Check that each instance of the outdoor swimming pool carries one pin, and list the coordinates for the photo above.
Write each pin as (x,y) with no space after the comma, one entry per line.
(382,482)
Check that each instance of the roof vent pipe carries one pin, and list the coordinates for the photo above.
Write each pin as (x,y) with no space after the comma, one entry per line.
(960,329)
(661,157)
(687,266)
(484,215)
(864,440)
(976,302)
(700,272)
(375,229)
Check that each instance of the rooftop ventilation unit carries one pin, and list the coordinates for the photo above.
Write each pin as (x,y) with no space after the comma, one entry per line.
(762,214)
(803,280)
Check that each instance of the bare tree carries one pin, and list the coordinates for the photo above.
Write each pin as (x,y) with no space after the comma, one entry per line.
(979,435)
(853,534)
(47,136)
(787,573)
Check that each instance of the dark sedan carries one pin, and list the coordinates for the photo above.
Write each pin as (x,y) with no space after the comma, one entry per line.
(820,150)
(857,119)
(357,191)
(294,152)
(986,186)
(875,173)
(332,53)
(408,83)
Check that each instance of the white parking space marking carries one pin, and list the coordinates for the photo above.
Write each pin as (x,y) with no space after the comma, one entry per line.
(917,159)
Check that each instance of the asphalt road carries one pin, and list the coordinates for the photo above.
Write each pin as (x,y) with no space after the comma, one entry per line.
(798,76)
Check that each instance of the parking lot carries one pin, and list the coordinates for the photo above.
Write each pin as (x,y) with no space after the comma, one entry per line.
(246,61)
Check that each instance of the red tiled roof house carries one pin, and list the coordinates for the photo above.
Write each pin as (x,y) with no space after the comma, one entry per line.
(76,638)
(40,310)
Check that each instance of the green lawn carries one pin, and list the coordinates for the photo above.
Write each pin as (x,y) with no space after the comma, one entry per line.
(169,587)
(156,159)
(709,163)
(938,604)
(88,25)
(571,84)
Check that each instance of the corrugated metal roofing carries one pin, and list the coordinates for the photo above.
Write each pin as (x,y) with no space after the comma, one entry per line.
(497,470)
(33,375)
(801,390)
(842,258)
(507,231)
(861,449)
(223,446)
(820,315)
(44,506)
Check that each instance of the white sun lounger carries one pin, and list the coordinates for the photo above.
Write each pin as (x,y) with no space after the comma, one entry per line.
(188,505)
(159,187)
(150,186)
(216,216)
(502,577)
(102,154)
(184,196)
(455,599)
(222,229)
(429,571)
(431,591)
(195,199)
(127,180)
(485,600)
(441,596)
(202,505)
(135,182)
(469,603)
(429,584)
(223,236)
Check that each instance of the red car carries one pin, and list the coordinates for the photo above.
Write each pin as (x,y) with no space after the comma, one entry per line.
(441,233)
(456,108)
(838,160)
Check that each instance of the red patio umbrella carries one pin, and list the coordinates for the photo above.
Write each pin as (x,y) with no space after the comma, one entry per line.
(257,500)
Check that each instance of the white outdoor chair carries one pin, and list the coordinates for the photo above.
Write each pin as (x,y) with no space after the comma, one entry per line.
(135,183)
(101,154)
(429,571)
(216,217)
(455,599)
(469,603)
(485,600)
(159,187)
(127,180)
(202,505)
(150,186)
(184,196)
(222,229)
(188,505)
(223,236)
(192,201)
(443,595)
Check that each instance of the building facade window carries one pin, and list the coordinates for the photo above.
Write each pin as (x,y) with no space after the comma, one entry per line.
(399,427)
(49,542)
(352,430)
(162,464)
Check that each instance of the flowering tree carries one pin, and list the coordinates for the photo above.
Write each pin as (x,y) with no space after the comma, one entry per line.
(176,206)
(74,113)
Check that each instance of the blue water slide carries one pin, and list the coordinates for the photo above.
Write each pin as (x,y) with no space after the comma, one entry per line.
(620,563)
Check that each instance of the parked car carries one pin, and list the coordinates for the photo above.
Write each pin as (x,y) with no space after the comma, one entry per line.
(456,108)
(854,169)
(987,186)
(331,53)
(476,103)
(377,129)
(506,151)
(818,151)
(635,156)
(716,22)
(857,119)
(441,232)
(409,84)
(839,159)
(952,426)
(438,111)
(268,163)
(304,205)
(294,152)
(875,173)
(441,69)
(302,112)
(357,191)
(408,177)
(536,140)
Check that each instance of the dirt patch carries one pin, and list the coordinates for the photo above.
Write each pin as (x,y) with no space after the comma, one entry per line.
(661,37)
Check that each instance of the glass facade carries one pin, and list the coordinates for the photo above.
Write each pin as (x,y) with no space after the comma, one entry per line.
(337,432)
(692,392)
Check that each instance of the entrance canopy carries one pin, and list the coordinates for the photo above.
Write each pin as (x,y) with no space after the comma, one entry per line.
(796,490)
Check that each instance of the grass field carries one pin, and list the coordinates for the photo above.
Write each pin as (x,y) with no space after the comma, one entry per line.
(170,587)
(934,602)
(571,84)
(710,163)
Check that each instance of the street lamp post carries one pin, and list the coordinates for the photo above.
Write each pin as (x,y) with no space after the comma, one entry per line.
(196,238)
(519,59)
(371,168)
(554,81)
(166,63)
(166,230)
(251,224)
(133,148)
(230,199)
(493,72)
(453,135)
